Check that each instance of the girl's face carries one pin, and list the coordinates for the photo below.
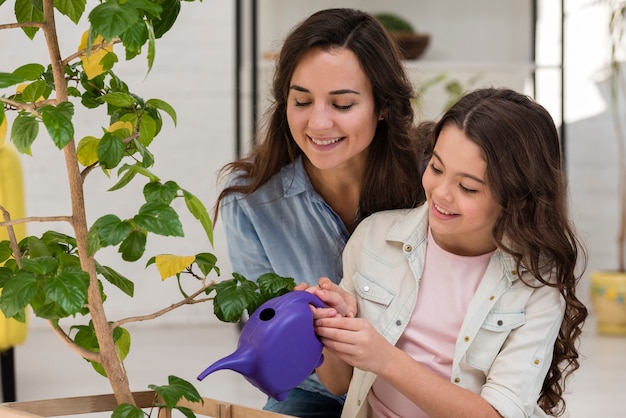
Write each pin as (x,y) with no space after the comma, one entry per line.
(462,208)
(330,109)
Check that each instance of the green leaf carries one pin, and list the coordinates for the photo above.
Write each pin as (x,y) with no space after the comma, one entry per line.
(10,79)
(151,46)
(147,129)
(272,285)
(117,280)
(58,121)
(24,132)
(111,230)
(29,71)
(112,19)
(29,11)
(164,106)
(147,7)
(119,99)
(160,193)
(207,262)
(68,289)
(232,298)
(171,9)
(135,37)
(73,9)
(17,293)
(176,390)
(126,410)
(5,275)
(86,337)
(198,210)
(133,246)
(35,91)
(5,251)
(110,150)
(160,219)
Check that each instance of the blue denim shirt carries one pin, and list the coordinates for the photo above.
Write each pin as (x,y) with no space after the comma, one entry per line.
(287,228)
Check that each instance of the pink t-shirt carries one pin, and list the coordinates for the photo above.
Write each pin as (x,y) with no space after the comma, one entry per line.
(445,290)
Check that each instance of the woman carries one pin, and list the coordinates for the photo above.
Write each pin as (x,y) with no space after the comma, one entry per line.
(465,306)
(339,146)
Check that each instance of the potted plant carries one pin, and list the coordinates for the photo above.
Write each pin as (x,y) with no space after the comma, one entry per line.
(57,276)
(412,44)
(608,287)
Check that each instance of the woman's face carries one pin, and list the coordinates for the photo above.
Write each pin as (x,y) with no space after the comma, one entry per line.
(462,208)
(330,109)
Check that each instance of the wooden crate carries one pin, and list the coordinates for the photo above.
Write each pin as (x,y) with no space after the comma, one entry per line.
(106,403)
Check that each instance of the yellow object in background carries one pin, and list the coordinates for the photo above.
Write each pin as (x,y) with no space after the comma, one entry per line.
(12,332)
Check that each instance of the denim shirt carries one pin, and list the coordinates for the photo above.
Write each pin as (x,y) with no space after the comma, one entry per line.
(505,344)
(287,228)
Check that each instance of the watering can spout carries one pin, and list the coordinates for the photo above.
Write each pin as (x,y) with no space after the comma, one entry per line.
(239,361)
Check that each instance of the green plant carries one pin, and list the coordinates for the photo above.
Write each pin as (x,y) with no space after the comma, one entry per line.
(57,275)
(394,22)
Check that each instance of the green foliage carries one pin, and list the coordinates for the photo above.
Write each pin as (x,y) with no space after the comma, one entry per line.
(394,22)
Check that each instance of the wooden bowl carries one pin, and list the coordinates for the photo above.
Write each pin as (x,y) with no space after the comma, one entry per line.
(412,45)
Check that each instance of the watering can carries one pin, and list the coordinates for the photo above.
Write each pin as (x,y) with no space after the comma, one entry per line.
(277,347)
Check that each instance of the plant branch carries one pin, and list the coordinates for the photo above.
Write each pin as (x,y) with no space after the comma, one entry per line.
(94,48)
(19,25)
(189,300)
(12,238)
(84,353)
(11,222)
(26,106)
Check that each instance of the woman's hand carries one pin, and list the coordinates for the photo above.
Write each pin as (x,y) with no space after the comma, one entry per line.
(339,303)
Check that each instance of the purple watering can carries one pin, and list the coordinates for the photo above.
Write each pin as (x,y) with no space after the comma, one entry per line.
(277,347)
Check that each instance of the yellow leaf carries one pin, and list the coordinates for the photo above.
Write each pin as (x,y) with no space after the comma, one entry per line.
(170,265)
(87,150)
(121,125)
(91,63)
(4,125)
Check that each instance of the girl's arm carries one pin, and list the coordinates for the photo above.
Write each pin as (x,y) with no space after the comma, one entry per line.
(354,342)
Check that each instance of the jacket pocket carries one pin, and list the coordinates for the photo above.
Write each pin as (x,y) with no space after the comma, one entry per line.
(491,336)
(373,299)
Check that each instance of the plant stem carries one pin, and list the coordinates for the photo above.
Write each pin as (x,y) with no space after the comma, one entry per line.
(108,355)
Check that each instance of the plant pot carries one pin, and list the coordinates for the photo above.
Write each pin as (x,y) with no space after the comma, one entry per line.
(106,403)
(608,296)
(412,45)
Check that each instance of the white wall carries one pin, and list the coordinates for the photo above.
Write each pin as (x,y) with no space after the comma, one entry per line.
(194,72)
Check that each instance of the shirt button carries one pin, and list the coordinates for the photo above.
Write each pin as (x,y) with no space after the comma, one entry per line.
(366,288)
(500,322)
(408,248)
(466,339)
(457,380)
(398,322)
(536,362)
(514,272)
(492,297)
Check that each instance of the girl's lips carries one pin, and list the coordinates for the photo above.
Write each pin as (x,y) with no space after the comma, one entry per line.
(441,213)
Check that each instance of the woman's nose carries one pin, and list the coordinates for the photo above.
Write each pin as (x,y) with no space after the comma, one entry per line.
(320,118)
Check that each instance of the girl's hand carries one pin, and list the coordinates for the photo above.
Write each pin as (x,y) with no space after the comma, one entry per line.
(355,341)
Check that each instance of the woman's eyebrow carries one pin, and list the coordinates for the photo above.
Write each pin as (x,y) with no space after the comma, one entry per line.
(333,92)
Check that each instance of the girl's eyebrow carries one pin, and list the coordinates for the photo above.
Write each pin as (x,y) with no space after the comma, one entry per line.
(471,176)
(334,92)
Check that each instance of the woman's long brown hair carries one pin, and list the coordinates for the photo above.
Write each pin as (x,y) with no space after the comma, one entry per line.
(393,177)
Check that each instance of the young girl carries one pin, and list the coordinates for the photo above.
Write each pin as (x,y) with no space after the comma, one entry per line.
(465,306)
(339,145)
